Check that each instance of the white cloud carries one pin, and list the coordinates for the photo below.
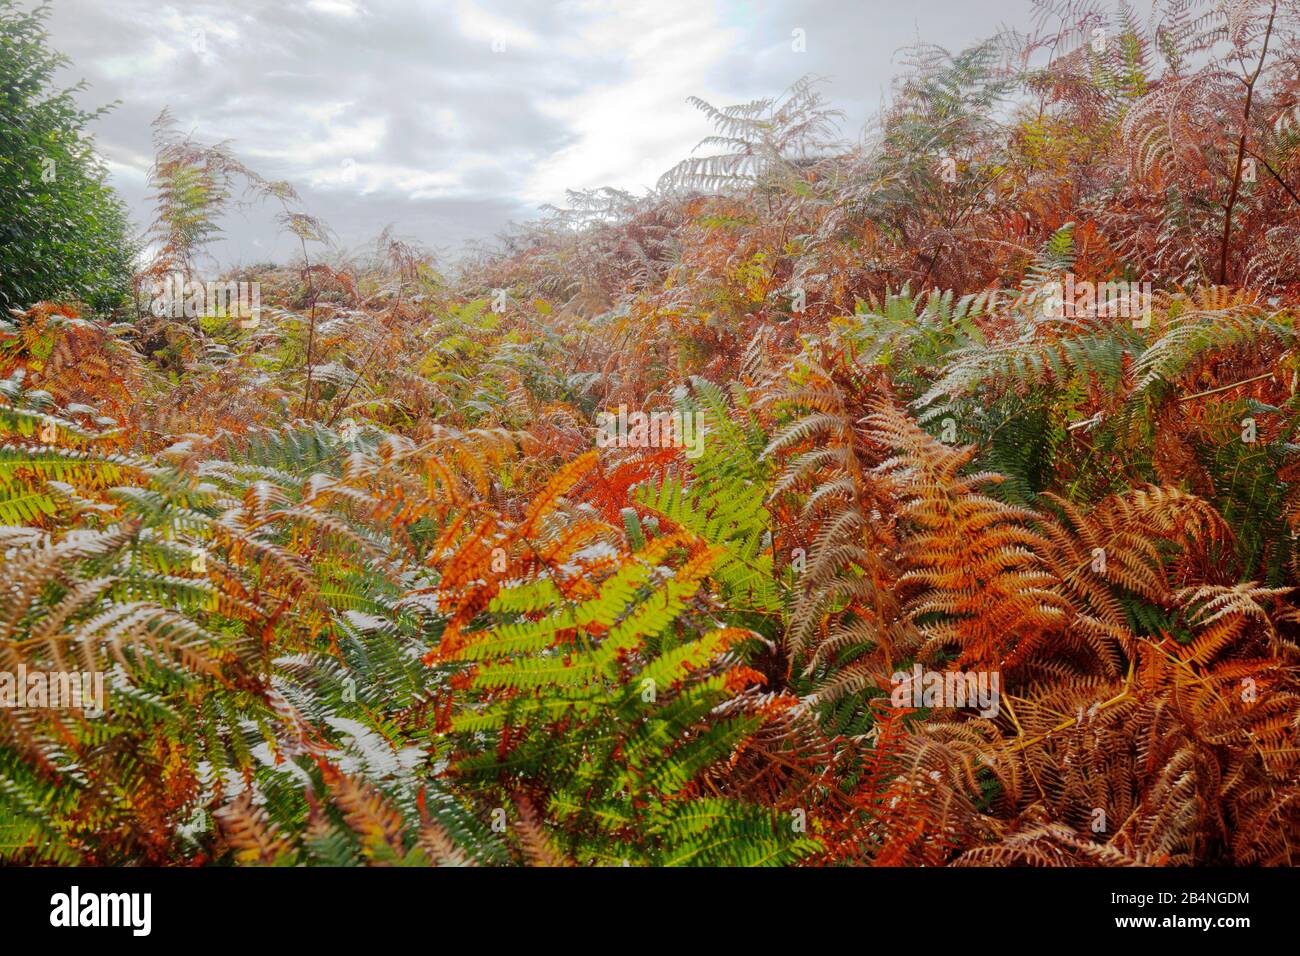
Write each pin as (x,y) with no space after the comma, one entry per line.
(177,39)
(632,129)
(327,139)
(501,33)
(336,8)
(365,178)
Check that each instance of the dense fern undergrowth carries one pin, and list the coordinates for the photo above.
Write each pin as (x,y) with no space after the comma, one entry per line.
(366,589)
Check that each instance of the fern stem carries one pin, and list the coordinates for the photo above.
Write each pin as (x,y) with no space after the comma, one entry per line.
(1275,174)
(1224,388)
(1241,150)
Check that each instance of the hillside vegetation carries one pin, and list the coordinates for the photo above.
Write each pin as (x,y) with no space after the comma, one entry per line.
(369,585)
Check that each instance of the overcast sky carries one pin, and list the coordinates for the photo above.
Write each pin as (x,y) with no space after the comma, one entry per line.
(449,118)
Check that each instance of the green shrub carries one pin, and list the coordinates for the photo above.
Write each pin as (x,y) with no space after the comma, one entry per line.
(63,231)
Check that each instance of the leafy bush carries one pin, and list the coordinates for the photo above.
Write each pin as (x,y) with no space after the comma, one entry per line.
(63,231)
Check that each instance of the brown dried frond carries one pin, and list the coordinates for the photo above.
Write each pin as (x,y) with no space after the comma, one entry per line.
(537,846)
(246,829)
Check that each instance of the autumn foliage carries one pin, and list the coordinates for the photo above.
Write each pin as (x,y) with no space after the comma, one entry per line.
(366,589)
